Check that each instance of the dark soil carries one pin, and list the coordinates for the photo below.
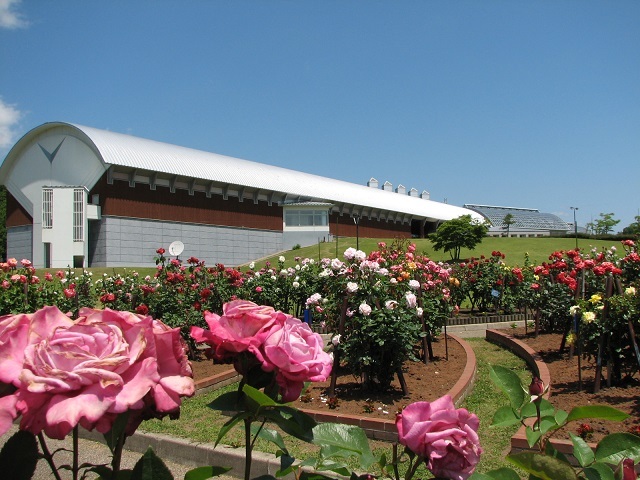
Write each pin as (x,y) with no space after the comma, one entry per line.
(424,383)
(565,391)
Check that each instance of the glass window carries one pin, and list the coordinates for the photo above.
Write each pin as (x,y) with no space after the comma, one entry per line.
(47,208)
(78,214)
(306,218)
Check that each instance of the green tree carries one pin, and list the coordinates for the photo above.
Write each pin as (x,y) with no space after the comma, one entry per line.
(633,228)
(605,224)
(462,232)
(507,221)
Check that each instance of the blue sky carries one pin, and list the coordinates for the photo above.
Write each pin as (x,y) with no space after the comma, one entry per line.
(525,104)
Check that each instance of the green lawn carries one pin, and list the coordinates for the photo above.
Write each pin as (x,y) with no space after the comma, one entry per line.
(515,249)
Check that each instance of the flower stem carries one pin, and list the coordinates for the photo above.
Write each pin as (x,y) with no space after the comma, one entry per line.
(75,452)
(47,456)
(248,448)
(395,462)
(117,456)
(412,470)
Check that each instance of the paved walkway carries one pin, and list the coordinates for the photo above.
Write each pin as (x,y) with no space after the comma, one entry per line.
(91,452)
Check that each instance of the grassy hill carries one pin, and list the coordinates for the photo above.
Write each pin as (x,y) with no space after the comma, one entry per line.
(515,249)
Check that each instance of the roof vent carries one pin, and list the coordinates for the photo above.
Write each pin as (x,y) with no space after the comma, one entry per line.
(388,186)
(413,192)
(425,195)
(401,189)
(373,183)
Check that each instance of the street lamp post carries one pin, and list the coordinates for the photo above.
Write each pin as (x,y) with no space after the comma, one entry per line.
(575,225)
(356,220)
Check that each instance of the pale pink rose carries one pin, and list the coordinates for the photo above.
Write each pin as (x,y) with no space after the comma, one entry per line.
(298,355)
(444,436)
(25,262)
(243,326)
(12,262)
(88,371)
(411,300)
(364,309)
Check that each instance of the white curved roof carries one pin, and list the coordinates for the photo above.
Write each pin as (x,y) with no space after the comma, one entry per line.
(139,153)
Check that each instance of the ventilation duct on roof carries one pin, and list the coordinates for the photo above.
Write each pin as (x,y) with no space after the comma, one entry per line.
(425,195)
(387,186)
(413,192)
(401,189)
(373,183)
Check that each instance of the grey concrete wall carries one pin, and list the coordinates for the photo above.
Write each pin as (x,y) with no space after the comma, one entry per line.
(119,241)
(20,242)
(304,239)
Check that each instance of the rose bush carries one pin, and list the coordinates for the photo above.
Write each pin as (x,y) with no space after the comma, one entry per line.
(444,437)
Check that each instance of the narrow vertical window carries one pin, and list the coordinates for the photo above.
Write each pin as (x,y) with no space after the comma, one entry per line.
(78,214)
(47,208)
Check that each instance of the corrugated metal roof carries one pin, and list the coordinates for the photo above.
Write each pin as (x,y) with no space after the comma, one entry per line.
(139,153)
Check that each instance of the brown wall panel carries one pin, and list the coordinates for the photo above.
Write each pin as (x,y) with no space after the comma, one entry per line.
(16,215)
(367,228)
(140,201)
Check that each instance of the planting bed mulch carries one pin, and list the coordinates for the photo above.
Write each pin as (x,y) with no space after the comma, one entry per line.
(565,393)
(425,383)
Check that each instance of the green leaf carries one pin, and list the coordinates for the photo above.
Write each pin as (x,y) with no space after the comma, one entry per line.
(617,446)
(230,424)
(347,437)
(548,423)
(227,402)
(203,473)
(150,467)
(561,417)
(546,409)
(256,400)
(582,451)
(543,466)
(269,435)
(551,451)
(598,471)
(532,436)
(503,473)
(509,382)
(19,456)
(292,421)
(504,417)
(597,411)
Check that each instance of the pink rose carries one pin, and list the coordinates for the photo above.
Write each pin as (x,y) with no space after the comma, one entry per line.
(243,326)
(445,437)
(298,355)
(88,371)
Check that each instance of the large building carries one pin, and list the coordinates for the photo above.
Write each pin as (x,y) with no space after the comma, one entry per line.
(80,196)
(526,222)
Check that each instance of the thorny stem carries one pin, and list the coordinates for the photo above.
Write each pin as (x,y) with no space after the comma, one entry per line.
(47,456)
